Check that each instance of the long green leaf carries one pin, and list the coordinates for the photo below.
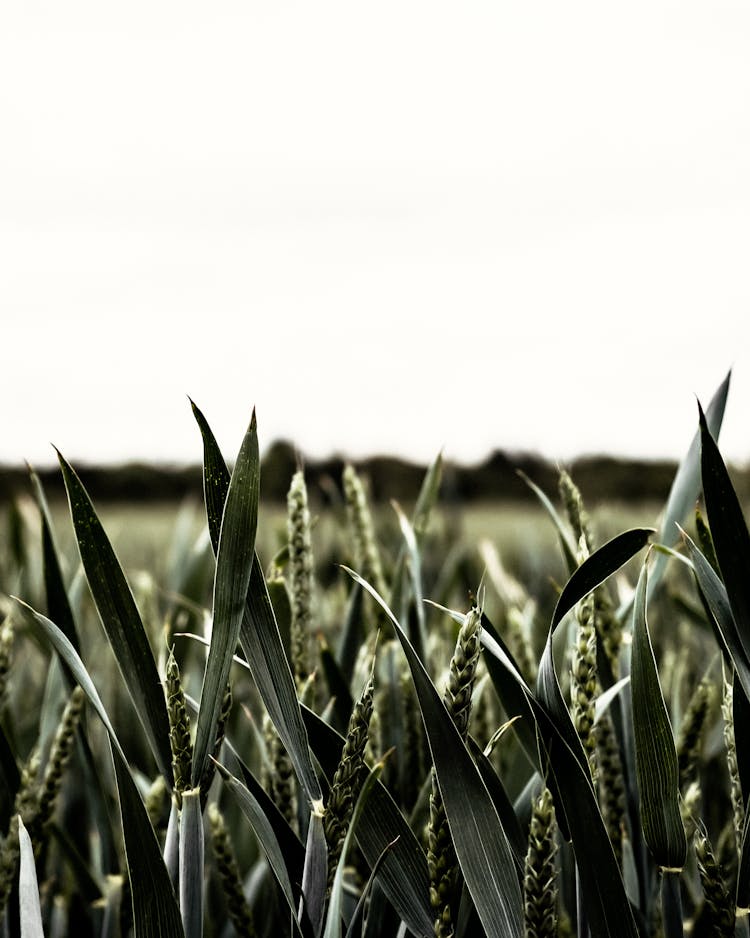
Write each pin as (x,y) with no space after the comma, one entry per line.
(686,485)
(606,901)
(513,693)
(655,756)
(481,845)
(597,568)
(503,805)
(121,620)
(355,925)
(58,606)
(259,633)
(591,573)
(155,910)
(315,874)
(569,547)
(262,829)
(30,912)
(191,864)
(234,561)
(715,596)
(728,531)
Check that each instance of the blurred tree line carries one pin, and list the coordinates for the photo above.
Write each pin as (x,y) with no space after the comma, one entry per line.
(496,478)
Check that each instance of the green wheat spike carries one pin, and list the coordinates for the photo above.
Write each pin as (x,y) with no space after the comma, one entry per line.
(441,858)
(6,649)
(612,793)
(59,757)
(179,728)
(348,779)
(362,530)
(300,575)
(738,804)
(692,727)
(583,679)
(278,775)
(25,805)
(574,508)
(540,872)
(229,875)
(719,906)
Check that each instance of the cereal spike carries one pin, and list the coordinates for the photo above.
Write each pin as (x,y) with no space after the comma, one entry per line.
(738,805)
(226,865)
(719,906)
(62,748)
(300,575)
(583,679)
(690,737)
(179,728)
(441,857)
(348,779)
(362,531)
(540,874)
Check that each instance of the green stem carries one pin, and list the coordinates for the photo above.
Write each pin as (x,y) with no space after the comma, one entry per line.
(671,904)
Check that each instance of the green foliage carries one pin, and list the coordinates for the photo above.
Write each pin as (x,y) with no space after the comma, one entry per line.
(440,837)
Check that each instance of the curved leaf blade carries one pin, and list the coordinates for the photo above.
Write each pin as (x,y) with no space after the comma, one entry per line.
(262,829)
(481,844)
(121,620)
(191,864)
(259,633)
(686,484)
(598,567)
(30,912)
(607,906)
(58,606)
(728,530)
(655,757)
(714,594)
(234,561)
(155,910)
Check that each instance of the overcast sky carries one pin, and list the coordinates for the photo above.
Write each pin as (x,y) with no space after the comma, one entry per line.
(391,227)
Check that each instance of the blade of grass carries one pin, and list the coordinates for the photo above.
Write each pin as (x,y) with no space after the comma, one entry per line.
(155,910)
(262,829)
(315,875)
(259,633)
(418,637)
(234,560)
(598,567)
(607,904)
(591,573)
(686,484)
(513,693)
(58,606)
(503,804)
(655,756)
(121,620)
(191,864)
(728,531)
(714,595)
(480,842)
(569,548)
(291,848)
(30,911)
(355,925)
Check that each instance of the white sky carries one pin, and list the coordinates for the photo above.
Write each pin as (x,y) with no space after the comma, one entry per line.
(397,226)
